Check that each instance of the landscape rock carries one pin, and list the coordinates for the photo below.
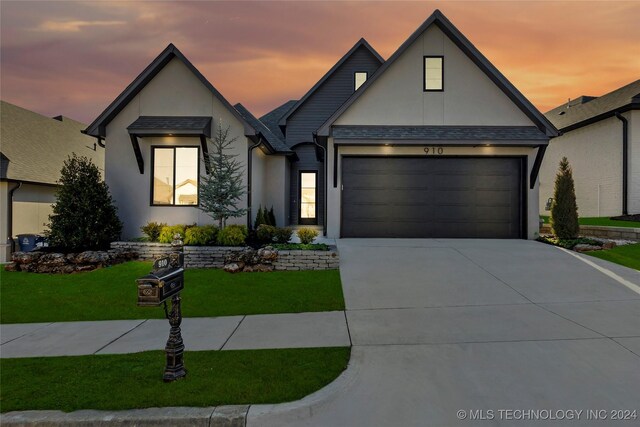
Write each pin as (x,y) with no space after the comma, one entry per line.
(583,247)
(249,260)
(234,267)
(54,262)
(608,245)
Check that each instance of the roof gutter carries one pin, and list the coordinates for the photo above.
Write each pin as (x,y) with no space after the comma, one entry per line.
(99,138)
(326,169)
(249,178)
(625,161)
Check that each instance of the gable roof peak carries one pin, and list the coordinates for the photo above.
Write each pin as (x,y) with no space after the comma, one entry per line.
(438,18)
(360,43)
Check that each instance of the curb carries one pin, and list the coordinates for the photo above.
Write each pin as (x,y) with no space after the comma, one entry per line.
(220,416)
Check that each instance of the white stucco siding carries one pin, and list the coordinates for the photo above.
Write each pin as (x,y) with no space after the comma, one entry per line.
(634,161)
(175,91)
(258,180)
(334,193)
(595,155)
(469,96)
(5,247)
(276,188)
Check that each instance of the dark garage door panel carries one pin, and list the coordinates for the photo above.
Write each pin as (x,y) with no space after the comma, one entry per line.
(477,197)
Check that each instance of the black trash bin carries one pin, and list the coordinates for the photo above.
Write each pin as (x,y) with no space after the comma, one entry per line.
(30,242)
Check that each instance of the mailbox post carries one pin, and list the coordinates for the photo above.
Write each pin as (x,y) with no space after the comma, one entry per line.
(165,282)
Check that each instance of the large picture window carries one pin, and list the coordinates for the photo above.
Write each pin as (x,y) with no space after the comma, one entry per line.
(175,176)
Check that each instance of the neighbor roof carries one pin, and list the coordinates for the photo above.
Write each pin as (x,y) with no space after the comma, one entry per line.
(443,133)
(98,127)
(361,43)
(36,146)
(587,109)
(473,53)
(273,140)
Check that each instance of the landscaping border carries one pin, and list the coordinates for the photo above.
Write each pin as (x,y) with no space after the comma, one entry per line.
(213,256)
(626,233)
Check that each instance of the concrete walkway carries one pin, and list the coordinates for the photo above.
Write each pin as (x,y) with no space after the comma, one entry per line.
(322,329)
(442,326)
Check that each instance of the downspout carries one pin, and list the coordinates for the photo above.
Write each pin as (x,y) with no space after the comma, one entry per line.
(625,161)
(324,204)
(10,217)
(249,173)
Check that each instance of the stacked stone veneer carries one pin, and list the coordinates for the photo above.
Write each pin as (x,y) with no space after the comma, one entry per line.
(213,256)
(624,233)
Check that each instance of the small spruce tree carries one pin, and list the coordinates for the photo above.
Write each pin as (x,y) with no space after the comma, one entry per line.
(272,217)
(221,191)
(564,210)
(260,218)
(84,216)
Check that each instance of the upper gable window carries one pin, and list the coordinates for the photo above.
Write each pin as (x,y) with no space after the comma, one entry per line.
(433,73)
(359,78)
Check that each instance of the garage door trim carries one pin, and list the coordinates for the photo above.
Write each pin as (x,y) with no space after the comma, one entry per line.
(523,205)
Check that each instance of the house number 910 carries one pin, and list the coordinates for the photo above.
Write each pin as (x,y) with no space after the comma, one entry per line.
(433,150)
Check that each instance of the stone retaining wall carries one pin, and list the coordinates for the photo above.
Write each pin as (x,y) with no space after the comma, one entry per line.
(624,233)
(213,256)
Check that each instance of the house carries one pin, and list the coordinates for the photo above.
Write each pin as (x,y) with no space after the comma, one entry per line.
(33,149)
(601,139)
(433,142)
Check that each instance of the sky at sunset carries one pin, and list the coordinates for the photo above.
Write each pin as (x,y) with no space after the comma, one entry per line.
(74,58)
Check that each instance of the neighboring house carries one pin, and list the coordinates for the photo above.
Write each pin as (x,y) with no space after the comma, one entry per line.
(601,139)
(434,142)
(33,149)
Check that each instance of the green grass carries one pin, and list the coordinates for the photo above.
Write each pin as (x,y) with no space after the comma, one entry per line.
(605,222)
(113,382)
(627,255)
(110,293)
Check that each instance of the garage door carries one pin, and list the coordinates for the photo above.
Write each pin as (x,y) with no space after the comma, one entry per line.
(471,197)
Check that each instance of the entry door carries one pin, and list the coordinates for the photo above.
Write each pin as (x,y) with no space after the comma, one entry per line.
(308,197)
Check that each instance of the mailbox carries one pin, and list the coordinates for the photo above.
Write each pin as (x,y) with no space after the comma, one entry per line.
(165,280)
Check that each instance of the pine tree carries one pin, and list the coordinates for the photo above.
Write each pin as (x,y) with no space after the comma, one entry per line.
(271,217)
(564,210)
(221,191)
(260,218)
(84,216)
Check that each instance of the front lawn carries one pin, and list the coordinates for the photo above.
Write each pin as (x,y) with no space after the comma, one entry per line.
(110,294)
(604,222)
(627,255)
(113,382)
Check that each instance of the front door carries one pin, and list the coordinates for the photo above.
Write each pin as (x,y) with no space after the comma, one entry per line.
(308,197)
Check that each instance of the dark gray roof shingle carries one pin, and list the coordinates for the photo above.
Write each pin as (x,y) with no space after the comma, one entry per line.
(584,108)
(185,123)
(272,118)
(273,139)
(440,133)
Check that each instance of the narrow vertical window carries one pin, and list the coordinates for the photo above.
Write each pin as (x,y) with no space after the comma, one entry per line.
(308,195)
(175,176)
(433,73)
(359,78)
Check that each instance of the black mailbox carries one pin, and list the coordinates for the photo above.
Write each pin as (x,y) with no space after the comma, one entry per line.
(165,280)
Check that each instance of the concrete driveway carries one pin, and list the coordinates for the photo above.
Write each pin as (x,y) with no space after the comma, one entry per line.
(507,332)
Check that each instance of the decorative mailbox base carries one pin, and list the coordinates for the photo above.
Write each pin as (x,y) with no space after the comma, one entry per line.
(174,369)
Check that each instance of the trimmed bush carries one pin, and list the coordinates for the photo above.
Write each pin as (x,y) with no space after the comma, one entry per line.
(233,235)
(283,235)
(152,230)
(564,209)
(271,217)
(84,216)
(260,218)
(167,233)
(201,235)
(265,233)
(307,235)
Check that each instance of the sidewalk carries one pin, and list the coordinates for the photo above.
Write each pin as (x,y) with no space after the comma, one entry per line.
(295,330)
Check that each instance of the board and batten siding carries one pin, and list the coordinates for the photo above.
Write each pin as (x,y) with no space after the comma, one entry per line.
(312,114)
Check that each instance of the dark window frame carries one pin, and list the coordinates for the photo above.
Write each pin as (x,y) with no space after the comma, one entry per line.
(424,73)
(366,73)
(152,174)
(307,221)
